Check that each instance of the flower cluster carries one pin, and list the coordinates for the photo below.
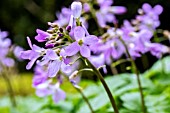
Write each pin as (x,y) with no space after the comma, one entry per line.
(136,34)
(68,39)
(6,49)
(106,12)
(58,58)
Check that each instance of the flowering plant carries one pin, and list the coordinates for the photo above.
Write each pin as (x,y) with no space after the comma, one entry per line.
(67,42)
(7,62)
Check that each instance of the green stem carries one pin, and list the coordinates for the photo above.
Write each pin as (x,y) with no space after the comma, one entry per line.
(134,67)
(114,64)
(163,66)
(82,94)
(10,90)
(104,85)
(85,99)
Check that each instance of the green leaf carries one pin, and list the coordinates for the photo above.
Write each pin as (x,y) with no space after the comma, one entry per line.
(132,101)
(98,102)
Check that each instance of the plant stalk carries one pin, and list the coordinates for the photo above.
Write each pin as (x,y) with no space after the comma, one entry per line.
(10,89)
(82,94)
(115,108)
(85,99)
(135,69)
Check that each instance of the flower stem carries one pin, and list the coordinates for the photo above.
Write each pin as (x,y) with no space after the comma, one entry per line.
(134,67)
(85,99)
(104,85)
(82,94)
(10,90)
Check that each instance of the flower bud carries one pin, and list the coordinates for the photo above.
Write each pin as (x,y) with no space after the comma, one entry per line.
(68,28)
(60,35)
(73,75)
(76,8)
(49,45)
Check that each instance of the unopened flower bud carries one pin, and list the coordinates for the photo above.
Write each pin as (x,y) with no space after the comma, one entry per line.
(73,75)
(76,8)
(60,35)
(166,33)
(53,25)
(61,30)
(68,28)
(50,31)
(49,45)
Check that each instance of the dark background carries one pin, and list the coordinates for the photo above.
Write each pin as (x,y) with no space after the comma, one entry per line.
(22,17)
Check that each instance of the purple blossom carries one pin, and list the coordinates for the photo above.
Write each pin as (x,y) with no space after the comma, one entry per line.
(32,54)
(105,2)
(149,19)
(43,90)
(63,17)
(81,44)
(98,61)
(5,44)
(47,88)
(40,75)
(157,49)
(58,95)
(112,49)
(86,7)
(42,35)
(106,12)
(9,62)
(17,52)
(70,65)
(3,34)
(54,62)
(76,9)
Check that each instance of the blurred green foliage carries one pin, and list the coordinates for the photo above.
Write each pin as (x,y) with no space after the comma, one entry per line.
(20,83)
(155,83)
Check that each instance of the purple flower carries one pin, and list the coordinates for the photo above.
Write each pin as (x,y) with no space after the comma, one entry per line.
(58,94)
(149,18)
(47,88)
(86,7)
(149,10)
(157,49)
(54,62)
(76,9)
(40,75)
(43,89)
(63,17)
(32,54)
(81,44)
(117,9)
(106,12)
(42,35)
(112,49)
(98,61)
(17,52)
(105,2)
(9,62)
(5,44)
(3,34)
(71,65)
